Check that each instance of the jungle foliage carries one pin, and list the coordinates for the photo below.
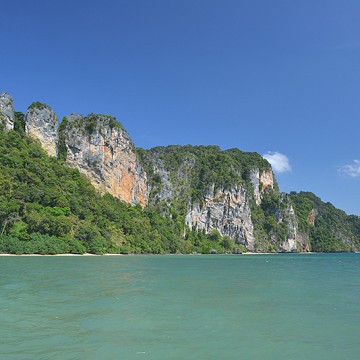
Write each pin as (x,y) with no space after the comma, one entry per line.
(333,230)
(47,208)
(194,169)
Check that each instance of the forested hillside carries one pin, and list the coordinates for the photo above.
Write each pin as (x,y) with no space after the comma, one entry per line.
(198,198)
(47,208)
(231,191)
(328,228)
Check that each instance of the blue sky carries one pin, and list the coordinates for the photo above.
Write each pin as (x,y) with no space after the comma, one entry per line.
(281,78)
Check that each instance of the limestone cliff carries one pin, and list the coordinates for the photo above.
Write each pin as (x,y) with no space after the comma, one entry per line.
(7,114)
(101,149)
(226,210)
(261,182)
(197,196)
(288,218)
(41,123)
(221,190)
(323,227)
(312,217)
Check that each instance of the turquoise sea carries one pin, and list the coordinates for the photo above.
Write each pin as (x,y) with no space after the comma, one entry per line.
(282,306)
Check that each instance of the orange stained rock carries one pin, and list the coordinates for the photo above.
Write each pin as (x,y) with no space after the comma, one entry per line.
(311,217)
(267,179)
(117,172)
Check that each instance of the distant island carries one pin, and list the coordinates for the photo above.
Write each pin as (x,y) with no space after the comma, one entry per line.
(81,186)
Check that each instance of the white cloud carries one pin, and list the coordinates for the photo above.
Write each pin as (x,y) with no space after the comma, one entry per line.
(279,162)
(352,170)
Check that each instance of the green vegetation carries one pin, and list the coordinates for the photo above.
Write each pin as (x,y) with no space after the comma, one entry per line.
(333,229)
(62,150)
(271,221)
(193,169)
(87,125)
(2,122)
(48,208)
(19,121)
(90,122)
(38,105)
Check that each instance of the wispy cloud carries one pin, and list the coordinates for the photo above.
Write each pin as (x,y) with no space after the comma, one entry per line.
(352,170)
(279,162)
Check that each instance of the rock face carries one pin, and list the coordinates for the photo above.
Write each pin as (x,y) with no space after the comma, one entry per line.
(211,188)
(289,218)
(200,188)
(7,114)
(227,211)
(261,182)
(312,217)
(99,147)
(41,123)
(229,191)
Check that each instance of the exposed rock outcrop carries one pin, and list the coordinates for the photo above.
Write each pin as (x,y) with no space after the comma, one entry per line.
(266,179)
(7,114)
(302,242)
(101,149)
(41,123)
(180,180)
(228,212)
(312,217)
(229,191)
(175,185)
(199,189)
(289,218)
(260,182)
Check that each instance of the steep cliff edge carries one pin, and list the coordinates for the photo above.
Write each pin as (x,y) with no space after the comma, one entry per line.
(7,114)
(203,188)
(194,198)
(41,123)
(226,210)
(325,227)
(215,190)
(261,182)
(99,147)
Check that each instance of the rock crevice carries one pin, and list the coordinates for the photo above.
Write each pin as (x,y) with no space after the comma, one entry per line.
(7,114)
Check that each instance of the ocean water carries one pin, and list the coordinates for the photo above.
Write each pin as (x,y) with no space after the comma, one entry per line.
(283,306)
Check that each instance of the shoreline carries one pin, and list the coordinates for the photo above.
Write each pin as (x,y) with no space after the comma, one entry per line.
(245,253)
(86,254)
